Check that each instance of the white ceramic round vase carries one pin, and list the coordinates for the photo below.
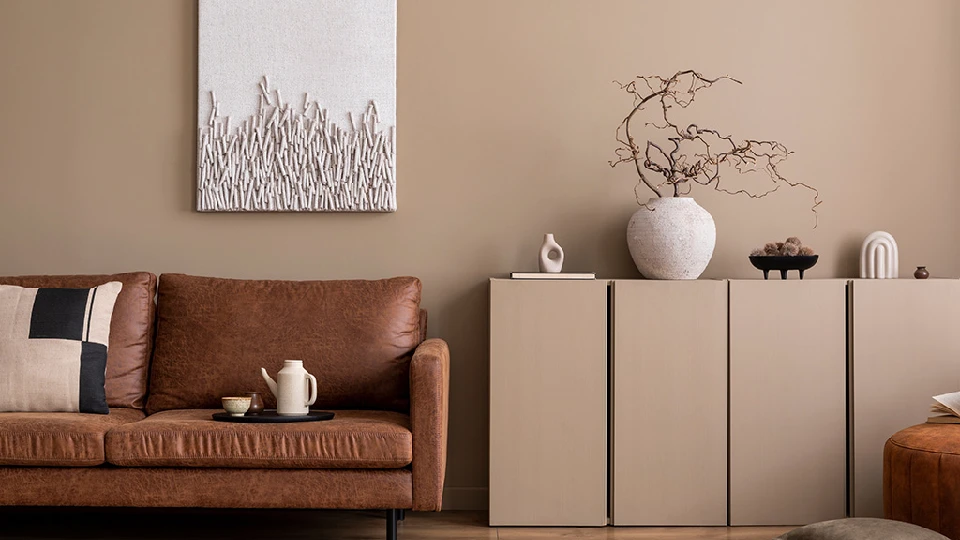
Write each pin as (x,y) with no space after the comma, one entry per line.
(671,238)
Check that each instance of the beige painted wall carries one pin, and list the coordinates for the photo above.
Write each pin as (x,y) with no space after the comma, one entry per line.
(507,115)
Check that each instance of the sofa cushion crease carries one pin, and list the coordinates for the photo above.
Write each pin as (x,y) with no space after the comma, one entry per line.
(191,438)
(58,439)
(206,487)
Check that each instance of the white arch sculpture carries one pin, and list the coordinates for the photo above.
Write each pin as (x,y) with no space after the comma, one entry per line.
(879,257)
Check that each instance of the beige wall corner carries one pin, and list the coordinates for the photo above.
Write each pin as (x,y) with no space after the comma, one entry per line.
(472,498)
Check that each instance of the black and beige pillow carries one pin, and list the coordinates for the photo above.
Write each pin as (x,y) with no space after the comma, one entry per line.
(53,348)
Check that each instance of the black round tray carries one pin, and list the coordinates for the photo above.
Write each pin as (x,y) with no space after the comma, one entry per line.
(270,416)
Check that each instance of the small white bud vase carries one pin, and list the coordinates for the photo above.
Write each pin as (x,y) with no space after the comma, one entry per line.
(550,246)
(671,238)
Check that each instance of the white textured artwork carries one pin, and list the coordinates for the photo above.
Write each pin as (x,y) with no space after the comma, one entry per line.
(879,257)
(297,106)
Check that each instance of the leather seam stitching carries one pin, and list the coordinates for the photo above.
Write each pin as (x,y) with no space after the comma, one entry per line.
(257,456)
(63,459)
(85,463)
(35,434)
(438,420)
(48,458)
(899,445)
(304,434)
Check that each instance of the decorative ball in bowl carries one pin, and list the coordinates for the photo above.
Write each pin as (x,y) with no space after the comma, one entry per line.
(236,405)
(784,256)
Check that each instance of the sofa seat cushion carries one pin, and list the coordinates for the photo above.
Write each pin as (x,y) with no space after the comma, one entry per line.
(191,438)
(58,439)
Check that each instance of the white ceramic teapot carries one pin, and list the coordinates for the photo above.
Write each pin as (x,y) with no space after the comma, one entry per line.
(295,389)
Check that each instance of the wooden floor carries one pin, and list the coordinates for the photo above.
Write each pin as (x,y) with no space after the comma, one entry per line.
(195,524)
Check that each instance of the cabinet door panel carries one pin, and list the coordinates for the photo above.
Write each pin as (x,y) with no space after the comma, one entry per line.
(669,406)
(787,401)
(905,350)
(548,403)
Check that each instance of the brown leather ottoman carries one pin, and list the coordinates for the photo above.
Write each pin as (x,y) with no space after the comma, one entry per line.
(921,477)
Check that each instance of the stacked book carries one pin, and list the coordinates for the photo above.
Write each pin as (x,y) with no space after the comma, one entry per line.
(947,407)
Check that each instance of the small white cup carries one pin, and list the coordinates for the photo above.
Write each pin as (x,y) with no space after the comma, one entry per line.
(236,406)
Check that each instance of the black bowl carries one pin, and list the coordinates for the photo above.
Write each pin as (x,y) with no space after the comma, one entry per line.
(783,263)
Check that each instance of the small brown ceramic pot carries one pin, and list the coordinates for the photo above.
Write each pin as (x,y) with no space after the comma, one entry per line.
(921,273)
(256,404)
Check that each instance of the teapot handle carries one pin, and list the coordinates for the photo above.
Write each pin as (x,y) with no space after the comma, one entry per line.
(313,390)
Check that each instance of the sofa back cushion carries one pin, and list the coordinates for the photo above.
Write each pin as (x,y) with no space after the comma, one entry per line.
(131,329)
(214,335)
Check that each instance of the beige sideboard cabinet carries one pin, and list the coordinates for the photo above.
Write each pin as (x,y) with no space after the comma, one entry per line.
(741,402)
(548,402)
(669,403)
(905,348)
(788,401)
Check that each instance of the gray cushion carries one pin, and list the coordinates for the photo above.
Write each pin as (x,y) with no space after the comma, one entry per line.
(862,529)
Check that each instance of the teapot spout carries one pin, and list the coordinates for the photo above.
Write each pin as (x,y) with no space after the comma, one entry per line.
(270,382)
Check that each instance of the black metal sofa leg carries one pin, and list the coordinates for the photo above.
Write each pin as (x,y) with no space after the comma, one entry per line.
(392,516)
(403,514)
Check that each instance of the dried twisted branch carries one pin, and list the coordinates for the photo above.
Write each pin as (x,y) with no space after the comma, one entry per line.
(693,155)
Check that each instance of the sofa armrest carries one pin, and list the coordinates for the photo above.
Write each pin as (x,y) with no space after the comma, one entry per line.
(429,391)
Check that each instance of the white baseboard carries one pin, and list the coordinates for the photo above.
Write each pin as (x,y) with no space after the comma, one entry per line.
(465,498)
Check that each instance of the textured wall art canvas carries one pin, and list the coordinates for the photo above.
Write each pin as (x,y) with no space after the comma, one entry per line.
(297,106)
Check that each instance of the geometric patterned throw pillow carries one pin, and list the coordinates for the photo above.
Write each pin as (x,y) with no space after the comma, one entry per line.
(53,348)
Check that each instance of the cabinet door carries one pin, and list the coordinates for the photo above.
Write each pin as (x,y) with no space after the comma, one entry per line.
(548,402)
(669,406)
(905,349)
(787,401)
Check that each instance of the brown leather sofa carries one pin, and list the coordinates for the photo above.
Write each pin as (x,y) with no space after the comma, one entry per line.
(204,338)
